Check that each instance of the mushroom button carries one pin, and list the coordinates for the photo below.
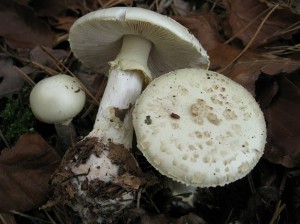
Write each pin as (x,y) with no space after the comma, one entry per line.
(57,100)
(219,137)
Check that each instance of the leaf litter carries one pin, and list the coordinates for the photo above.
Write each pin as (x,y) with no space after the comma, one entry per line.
(242,39)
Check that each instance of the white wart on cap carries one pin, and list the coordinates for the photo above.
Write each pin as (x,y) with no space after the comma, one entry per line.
(199,127)
(96,39)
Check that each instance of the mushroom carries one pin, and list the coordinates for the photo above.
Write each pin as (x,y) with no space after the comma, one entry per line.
(57,100)
(199,128)
(132,46)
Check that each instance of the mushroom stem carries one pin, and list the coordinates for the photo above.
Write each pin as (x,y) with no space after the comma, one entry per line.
(66,134)
(134,56)
(113,122)
(102,160)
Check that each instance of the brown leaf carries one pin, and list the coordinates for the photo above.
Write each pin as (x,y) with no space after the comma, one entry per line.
(55,8)
(205,27)
(38,55)
(63,22)
(249,66)
(241,12)
(10,80)
(21,28)
(283,119)
(24,173)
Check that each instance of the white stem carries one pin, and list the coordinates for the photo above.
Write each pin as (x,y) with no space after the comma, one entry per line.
(125,83)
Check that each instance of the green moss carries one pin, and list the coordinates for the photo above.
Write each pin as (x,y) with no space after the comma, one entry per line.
(16,117)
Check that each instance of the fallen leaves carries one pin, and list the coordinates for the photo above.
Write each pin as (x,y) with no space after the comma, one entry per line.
(241,41)
(282,115)
(24,173)
(10,80)
(22,28)
(245,16)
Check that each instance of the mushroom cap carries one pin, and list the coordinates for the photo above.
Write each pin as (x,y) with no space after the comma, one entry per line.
(57,99)
(199,127)
(96,39)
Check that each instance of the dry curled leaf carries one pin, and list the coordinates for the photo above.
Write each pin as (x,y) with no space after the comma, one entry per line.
(22,28)
(24,173)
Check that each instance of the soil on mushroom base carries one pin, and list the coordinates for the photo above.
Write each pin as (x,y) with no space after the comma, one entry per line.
(129,178)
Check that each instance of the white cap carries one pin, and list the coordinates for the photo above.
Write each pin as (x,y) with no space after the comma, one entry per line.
(199,127)
(57,99)
(96,39)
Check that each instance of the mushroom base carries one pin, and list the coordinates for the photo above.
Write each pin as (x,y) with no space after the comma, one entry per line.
(97,180)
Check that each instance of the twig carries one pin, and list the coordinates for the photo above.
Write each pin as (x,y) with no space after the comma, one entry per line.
(49,217)
(251,184)
(46,69)
(279,208)
(245,27)
(26,77)
(7,218)
(71,73)
(32,218)
(98,95)
(4,140)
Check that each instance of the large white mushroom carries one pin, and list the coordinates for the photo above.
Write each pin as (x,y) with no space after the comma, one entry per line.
(132,46)
(199,128)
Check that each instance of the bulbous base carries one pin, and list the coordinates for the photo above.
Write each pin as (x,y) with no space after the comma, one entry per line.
(97,180)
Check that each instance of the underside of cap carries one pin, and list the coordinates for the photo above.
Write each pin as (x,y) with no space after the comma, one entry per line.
(96,39)
(199,127)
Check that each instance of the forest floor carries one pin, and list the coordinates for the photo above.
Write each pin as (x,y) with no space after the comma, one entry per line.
(254,42)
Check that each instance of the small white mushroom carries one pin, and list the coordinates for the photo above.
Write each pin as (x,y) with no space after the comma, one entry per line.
(132,46)
(57,100)
(199,128)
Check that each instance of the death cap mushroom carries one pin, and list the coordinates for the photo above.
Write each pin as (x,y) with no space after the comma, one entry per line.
(199,127)
(96,40)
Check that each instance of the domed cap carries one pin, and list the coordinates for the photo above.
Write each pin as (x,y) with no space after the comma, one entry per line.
(57,99)
(199,127)
(96,39)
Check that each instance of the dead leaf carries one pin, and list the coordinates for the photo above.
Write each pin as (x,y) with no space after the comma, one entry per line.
(21,28)
(63,22)
(60,8)
(283,119)
(24,173)
(205,27)
(38,55)
(53,8)
(10,80)
(242,12)
(249,66)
